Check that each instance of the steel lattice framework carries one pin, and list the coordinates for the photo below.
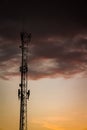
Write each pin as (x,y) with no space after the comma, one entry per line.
(23,92)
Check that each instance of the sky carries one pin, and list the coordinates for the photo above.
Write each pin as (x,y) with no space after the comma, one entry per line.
(57,64)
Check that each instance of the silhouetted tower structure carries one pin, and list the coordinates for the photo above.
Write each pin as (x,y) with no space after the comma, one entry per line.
(23,92)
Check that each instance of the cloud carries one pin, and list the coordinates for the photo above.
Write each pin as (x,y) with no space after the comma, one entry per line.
(59,39)
(50,57)
(68,57)
(47,124)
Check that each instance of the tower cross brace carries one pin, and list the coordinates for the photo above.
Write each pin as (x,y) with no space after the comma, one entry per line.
(23,92)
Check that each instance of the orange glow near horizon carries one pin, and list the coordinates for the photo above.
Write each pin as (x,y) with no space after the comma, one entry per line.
(55,104)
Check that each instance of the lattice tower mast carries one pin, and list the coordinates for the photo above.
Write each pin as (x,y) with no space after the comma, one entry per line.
(23,92)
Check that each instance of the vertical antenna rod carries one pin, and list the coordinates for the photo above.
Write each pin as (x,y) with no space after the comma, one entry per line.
(23,93)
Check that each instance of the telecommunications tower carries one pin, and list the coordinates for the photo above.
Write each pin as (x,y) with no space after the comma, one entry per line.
(23,92)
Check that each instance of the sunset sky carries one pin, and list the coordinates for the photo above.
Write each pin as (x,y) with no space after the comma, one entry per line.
(57,64)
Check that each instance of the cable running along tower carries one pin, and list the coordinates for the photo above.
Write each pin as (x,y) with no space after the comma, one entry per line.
(23,92)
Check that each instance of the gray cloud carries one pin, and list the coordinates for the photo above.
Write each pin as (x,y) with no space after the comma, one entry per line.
(59,38)
(51,57)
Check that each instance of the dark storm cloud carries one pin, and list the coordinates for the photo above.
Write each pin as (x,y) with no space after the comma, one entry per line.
(69,57)
(59,38)
(42,18)
(49,59)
